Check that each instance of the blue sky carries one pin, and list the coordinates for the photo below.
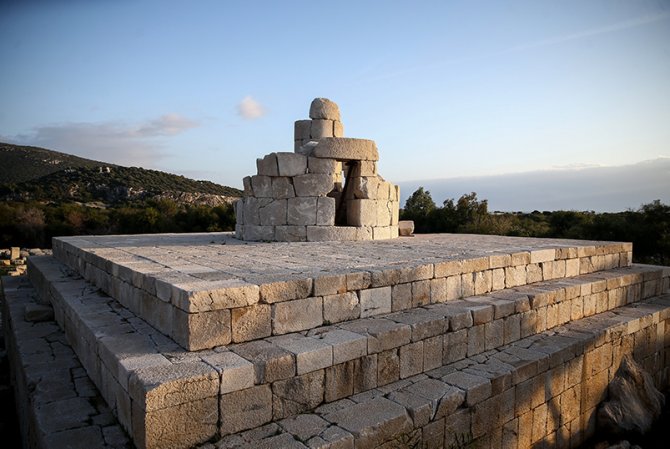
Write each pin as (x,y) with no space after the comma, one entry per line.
(446,89)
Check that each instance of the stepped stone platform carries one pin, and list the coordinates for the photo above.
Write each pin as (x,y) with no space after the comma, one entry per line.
(207,290)
(442,340)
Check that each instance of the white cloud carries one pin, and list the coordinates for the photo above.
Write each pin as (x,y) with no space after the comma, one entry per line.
(165,125)
(135,144)
(250,109)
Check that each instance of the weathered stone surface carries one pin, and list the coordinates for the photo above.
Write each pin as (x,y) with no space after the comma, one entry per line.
(261,186)
(267,166)
(321,128)
(302,211)
(159,387)
(365,187)
(346,149)
(346,345)
(406,228)
(302,129)
(245,409)
(291,233)
(297,394)
(341,307)
(291,164)
(325,166)
(313,184)
(271,362)
(202,330)
(332,233)
(297,315)
(323,108)
(375,301)
(311,354)
(362,212)
(373,422)
(282,187)
(251,323)
(274,213)
(258,233)
(236,372)
(183,425)
(38,312)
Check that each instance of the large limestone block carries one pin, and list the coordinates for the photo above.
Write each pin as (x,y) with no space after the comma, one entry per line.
(297,395)
(282,187)
(365,187)
(313,184)
(181,426)
(162,386)
(364,168)
(325,211)
(252,206)
(267,166)
(323,108)
(246,182)
(302,211)
(338,129)
(258,233)
(297,315)
(274,213)
(291,164)
(384,212)
(302,129)
(261,186)
(239,211)
(245,409)
(321,129)
(251,323)
(236,372)
(291,233)
(346,149)
(375,301)
(373,422)
(332,233)
(195,331)
(361,212)
(316,165)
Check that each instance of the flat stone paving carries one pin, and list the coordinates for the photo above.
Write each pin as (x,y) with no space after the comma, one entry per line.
(215,257)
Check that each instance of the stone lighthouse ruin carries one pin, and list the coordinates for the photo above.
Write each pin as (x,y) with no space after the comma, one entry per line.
(328,189)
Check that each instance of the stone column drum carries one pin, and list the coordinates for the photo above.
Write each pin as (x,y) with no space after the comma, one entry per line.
(327,189)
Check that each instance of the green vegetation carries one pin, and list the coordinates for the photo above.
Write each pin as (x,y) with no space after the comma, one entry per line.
(38,174)
(647,227)
(24,163)
(32,224)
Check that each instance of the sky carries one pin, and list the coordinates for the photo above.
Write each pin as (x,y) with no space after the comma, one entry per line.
(447,89)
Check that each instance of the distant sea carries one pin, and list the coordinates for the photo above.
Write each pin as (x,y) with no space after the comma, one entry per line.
(599,189)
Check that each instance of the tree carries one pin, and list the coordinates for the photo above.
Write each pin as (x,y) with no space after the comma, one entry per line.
(418,207)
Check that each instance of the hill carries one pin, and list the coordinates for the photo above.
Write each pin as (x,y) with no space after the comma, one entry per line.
(24,163)
(38,174)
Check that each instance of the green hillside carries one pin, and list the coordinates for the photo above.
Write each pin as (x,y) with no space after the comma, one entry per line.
(38,174)
(23,163)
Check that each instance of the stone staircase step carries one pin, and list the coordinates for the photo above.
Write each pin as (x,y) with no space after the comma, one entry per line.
(58,404)
(542,389)
(207,290)
(242,386)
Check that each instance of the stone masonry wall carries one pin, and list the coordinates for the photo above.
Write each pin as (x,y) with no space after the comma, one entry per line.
(329,189)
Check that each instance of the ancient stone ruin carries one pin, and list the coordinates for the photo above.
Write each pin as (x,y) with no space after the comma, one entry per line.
(328,189)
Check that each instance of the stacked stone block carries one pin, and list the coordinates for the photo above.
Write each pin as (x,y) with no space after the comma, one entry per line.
(486,368)
(329,189)
(324,122)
